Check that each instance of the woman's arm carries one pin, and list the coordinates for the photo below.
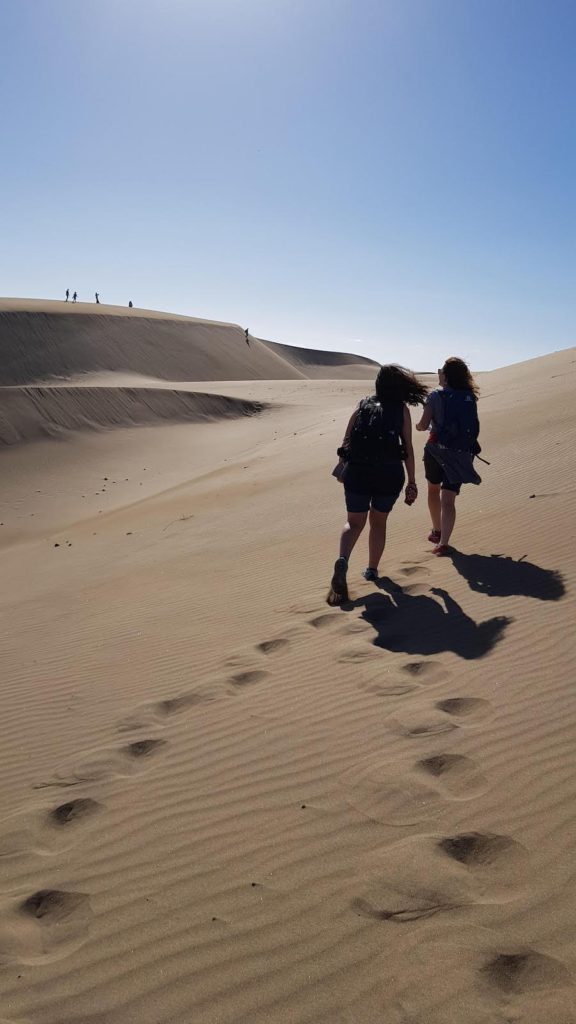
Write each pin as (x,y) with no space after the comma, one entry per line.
(348,430)
(425,419)
(407,438)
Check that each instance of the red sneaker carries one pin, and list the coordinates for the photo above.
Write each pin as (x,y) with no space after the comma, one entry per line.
(441,549)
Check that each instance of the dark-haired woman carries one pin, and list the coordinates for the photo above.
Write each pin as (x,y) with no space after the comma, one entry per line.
(452,418)
(376,445)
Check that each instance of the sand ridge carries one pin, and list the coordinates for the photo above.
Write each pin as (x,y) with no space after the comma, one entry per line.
(224,801)
(33,413)
(44,341)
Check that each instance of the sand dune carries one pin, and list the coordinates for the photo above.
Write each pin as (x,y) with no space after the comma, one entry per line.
(31,413)
(224,802)
(61,340)
(316,364)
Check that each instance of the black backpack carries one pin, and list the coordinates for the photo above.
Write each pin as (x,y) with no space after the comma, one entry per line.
(459,427)
(376,435)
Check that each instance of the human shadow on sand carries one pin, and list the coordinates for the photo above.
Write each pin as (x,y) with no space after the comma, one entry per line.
(421,625)
(501,576)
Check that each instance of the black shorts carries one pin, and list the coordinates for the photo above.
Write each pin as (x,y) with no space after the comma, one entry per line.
(436,475)
(367,488)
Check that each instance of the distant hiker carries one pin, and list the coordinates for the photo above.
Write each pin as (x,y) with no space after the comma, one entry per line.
(451,415)
(75,296)
(130,304)
(246,333)
(377,442)
(97,299)
(67,294)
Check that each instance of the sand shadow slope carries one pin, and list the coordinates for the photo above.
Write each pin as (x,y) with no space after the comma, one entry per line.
(421,625)
(35,413)
(501,576)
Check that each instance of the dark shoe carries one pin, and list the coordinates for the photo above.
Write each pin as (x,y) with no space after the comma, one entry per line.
(338,587)
(370,574)
(434,536)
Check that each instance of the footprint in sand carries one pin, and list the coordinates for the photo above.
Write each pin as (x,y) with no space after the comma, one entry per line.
(47,924)
(445,716)
(426,670)
(396,680)
(248,678)
(455,775)
(387,686)
(44,830)
(415,589)
(244,659)
(69,815)
(384,791)
(326,620)
(409,569)
(520,970)
(468,710)
(483,979)
(430,874)
(306,607)
(357,627)
(420,723)
(106,764)
(359,654)
(394,793)
(171,706)
(142,748)
(280,643)
(159,712)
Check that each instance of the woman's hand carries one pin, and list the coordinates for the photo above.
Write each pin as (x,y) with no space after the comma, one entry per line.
(411,493)
(426,418)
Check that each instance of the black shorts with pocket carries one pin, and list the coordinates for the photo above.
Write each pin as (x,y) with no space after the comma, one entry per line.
(368,487)
(436,475)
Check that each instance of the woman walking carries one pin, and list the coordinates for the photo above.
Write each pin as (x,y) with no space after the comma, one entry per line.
(451,415)
(376,445)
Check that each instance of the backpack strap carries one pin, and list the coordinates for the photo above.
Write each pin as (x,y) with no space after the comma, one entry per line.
(441,406)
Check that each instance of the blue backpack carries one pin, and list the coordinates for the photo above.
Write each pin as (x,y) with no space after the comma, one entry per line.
(459,427)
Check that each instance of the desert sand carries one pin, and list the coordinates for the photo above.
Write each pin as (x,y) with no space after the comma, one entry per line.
(222,801)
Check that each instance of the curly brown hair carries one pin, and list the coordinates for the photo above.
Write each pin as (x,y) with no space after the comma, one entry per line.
(397,384)
(458,376)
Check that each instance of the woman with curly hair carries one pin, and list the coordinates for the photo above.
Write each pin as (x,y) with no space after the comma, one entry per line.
(451,417)
(376,445)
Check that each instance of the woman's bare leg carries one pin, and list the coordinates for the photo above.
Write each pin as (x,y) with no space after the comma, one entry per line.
(377,537)
(435,506)
(351,532)
(338,592)
(448,506)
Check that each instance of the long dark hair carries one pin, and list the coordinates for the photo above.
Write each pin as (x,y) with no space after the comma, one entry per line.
(458,376)
(397,384)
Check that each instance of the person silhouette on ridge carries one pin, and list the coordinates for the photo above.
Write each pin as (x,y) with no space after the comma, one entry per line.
(67,294)
(75,296)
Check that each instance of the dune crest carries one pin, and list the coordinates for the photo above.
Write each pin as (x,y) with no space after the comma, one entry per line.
(43,341)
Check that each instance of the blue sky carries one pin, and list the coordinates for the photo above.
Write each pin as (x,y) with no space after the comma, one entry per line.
(393,177)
